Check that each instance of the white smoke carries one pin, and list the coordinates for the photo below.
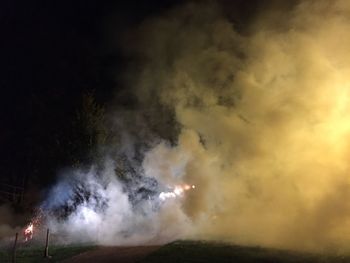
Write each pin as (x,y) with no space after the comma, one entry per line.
(105,212)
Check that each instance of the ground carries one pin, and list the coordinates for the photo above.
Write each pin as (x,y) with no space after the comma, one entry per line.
(114,254)
(201,252)
(180,252)
(34,254)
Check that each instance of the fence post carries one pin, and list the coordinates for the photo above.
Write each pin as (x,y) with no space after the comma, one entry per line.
(14,249)
(46,253)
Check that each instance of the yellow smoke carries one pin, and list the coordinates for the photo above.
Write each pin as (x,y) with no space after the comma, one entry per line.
(265,119)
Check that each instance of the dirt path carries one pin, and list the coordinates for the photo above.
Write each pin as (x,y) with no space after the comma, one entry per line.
(113,254)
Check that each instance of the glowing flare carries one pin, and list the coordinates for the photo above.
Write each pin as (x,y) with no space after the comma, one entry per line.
(34,223)
(28,232)
(178,191)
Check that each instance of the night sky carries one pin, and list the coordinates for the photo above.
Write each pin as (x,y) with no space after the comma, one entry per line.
(51,54)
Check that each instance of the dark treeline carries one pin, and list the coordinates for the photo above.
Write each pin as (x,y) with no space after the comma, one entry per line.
(57,74)
(52,85)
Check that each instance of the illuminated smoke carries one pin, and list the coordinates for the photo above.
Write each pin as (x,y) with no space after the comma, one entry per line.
(178,190)
(264,116)
(264,134)
(96,206)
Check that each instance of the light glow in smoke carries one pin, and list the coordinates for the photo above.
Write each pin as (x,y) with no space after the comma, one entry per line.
(98,202)
(86,216)
(28,232)
(33,225)
(178,191)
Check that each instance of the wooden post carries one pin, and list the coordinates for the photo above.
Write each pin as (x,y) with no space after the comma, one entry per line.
(14,249)
(46,253)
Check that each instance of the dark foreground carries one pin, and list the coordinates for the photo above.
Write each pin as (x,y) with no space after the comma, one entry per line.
(180,251)
(203,252)
(35,254)
(114,254)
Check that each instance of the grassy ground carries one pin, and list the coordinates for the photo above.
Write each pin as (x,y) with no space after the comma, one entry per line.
(35,254)
(184,252)
(201,252)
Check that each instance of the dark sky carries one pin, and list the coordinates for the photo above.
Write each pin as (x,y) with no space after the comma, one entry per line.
(55,46)
(51,53)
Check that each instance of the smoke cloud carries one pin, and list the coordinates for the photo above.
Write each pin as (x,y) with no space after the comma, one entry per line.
(256,119)
(264,117)
(96,206)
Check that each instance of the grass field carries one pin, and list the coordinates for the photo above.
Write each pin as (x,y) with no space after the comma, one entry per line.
(35,254)
(185,252)
(202,252)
